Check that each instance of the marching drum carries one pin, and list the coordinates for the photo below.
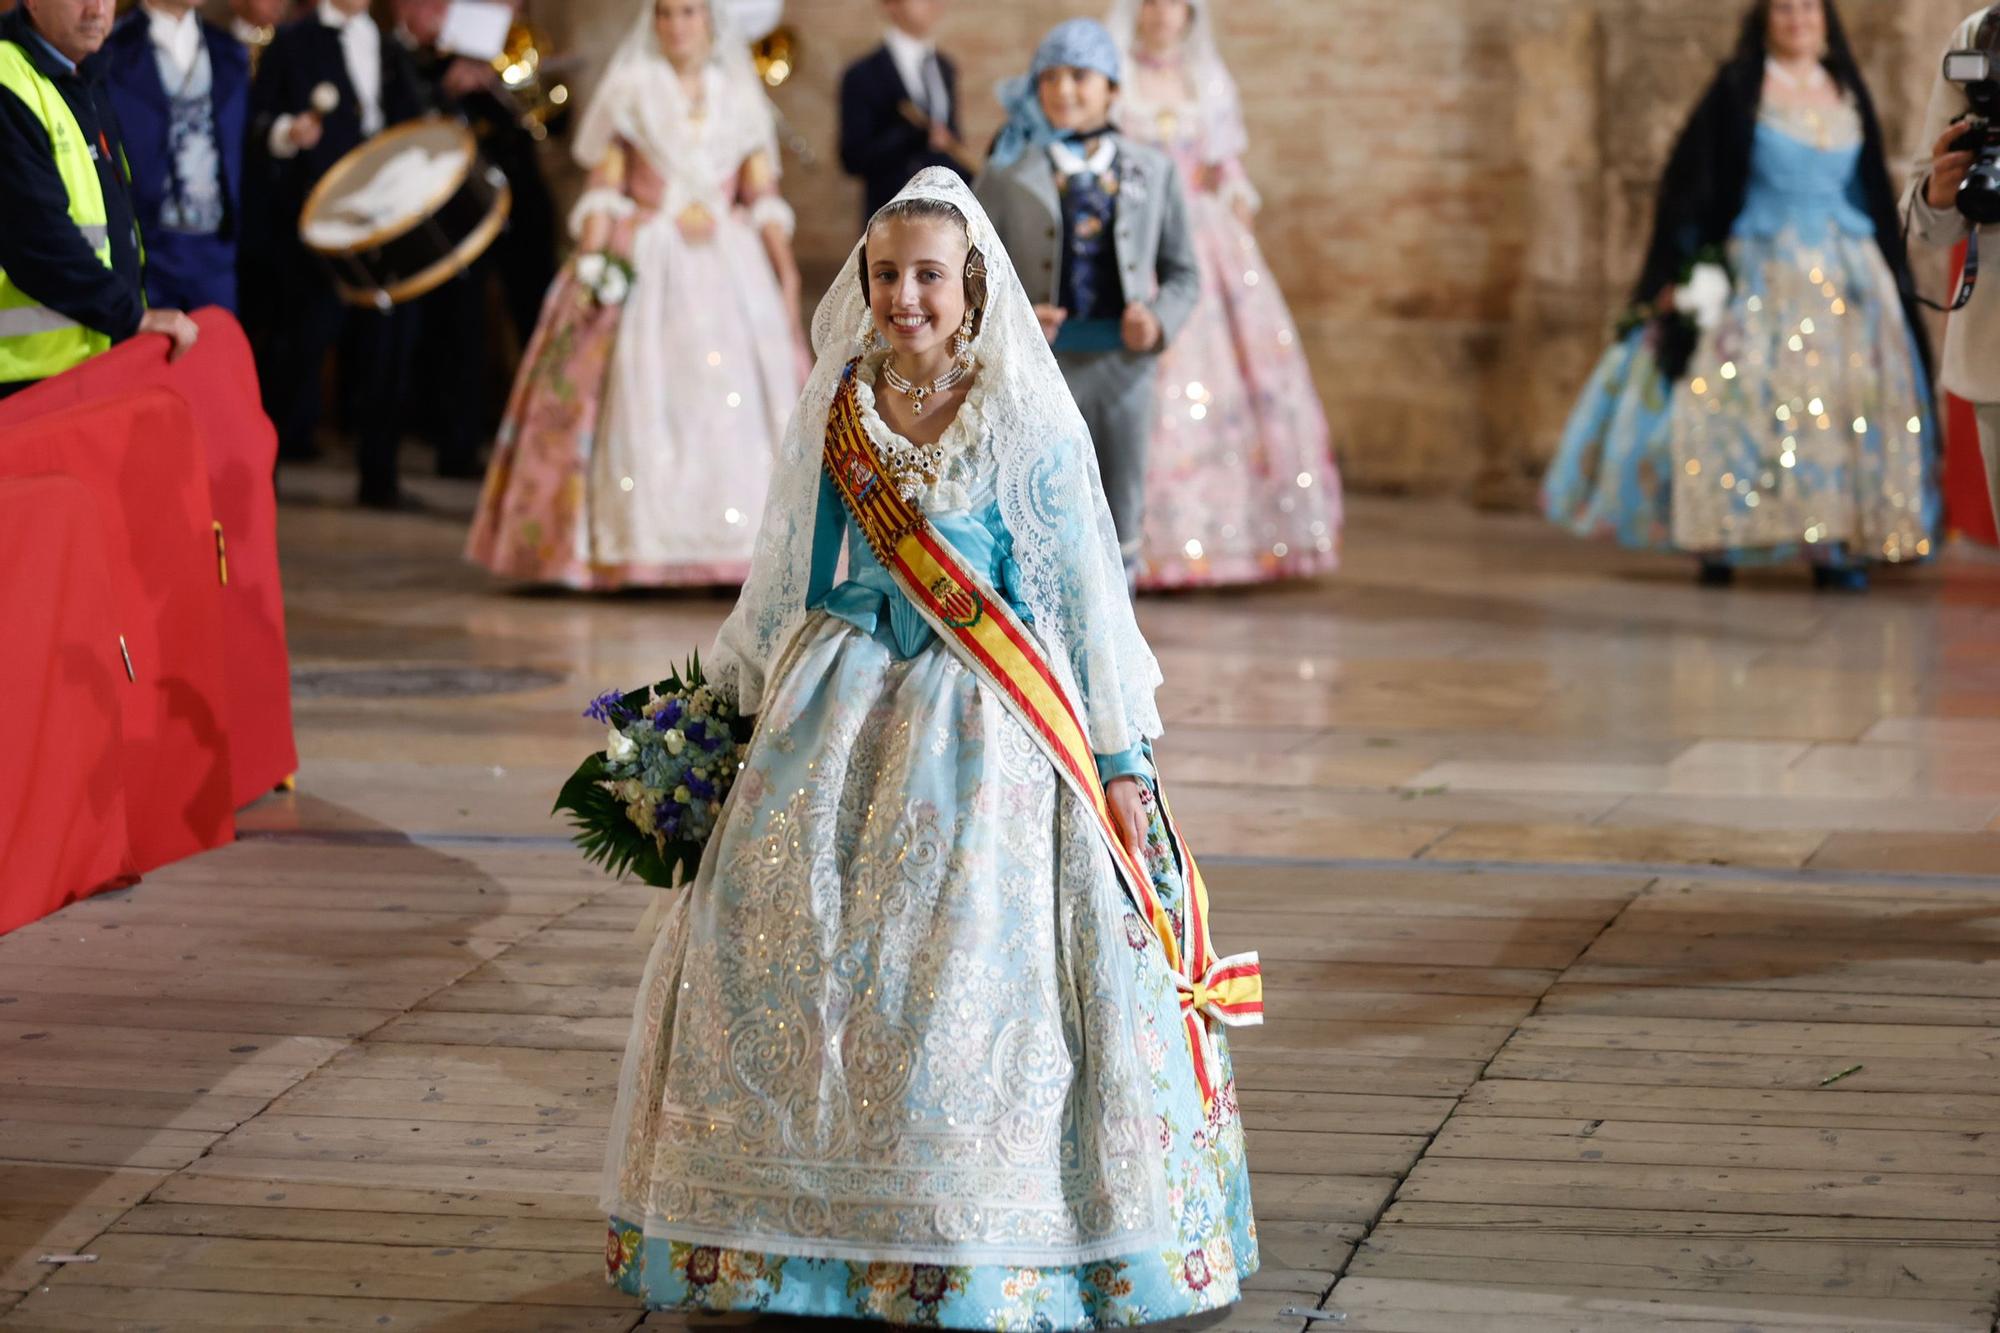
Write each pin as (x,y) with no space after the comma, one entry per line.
(405,212)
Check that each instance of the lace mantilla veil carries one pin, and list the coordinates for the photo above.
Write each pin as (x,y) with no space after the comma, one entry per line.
(1221,106)
(1050,498)
(639,99)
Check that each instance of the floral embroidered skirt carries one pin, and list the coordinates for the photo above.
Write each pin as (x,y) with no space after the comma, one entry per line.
(637,445)
(903,1051)
(1241,485)
(1802,428)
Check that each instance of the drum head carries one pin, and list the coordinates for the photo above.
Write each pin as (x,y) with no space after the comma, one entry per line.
(387,186)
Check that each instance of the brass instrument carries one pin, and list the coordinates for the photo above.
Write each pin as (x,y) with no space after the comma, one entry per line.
(776,55)
(255,39)
(519,66)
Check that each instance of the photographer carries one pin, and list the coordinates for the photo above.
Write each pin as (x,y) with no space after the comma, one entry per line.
(1932,208)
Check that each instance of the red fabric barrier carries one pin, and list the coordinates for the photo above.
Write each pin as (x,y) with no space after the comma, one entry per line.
(62,789)
(218,383)
(1968,509)
(140,457)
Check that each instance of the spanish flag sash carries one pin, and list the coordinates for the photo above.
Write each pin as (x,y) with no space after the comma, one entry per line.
(990,639)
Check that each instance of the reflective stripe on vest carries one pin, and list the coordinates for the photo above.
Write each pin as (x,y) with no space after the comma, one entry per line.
(35,341)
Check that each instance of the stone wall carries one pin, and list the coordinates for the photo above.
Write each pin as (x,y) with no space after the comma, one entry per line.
(1456,191)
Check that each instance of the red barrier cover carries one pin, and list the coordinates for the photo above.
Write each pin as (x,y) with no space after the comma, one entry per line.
(218,383)
(62,788)
(140,457)
(1968,509)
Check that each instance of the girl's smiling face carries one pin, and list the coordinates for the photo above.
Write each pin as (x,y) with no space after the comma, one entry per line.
(916,285)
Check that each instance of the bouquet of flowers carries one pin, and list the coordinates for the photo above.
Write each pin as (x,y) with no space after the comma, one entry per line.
(605,276)
(647,802)
(1697,302)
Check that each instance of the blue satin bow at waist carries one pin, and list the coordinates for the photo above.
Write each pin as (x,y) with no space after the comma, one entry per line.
(981,540)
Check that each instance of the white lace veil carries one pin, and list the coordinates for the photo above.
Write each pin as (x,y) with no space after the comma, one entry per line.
(639,98)
(1050,498)
(1221,107)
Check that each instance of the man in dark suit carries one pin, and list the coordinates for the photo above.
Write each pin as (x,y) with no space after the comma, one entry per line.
(899,106)
(181,88)
(292,145)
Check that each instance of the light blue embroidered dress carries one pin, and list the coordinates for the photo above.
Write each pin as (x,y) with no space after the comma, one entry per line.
(1803,426)
(904,1051)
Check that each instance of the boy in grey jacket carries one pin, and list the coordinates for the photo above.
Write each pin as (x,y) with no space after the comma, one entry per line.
(1097,226)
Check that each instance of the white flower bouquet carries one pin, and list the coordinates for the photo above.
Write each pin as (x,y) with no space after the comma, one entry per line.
(606,276)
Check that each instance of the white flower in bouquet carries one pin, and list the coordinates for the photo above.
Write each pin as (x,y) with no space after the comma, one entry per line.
(675,742)
(614,288)
(1705,295)
(620,748)
(590,270)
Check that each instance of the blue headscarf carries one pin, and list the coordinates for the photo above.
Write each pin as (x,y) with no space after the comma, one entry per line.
(1076,44)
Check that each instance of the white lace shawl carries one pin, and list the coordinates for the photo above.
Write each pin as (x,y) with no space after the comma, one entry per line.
(1045,480)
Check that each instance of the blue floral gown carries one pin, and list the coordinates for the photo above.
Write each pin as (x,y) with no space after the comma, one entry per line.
(904,1051)
(1803,426)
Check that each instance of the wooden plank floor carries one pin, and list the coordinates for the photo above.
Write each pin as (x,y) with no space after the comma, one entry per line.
(1629,948)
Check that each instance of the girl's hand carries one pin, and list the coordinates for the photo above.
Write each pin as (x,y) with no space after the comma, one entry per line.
(1130,810)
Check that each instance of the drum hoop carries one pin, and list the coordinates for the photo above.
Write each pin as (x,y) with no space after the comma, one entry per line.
(344,167)
(444,268)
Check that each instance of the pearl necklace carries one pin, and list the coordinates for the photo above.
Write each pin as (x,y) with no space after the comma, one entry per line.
(916,393)
(1818,78)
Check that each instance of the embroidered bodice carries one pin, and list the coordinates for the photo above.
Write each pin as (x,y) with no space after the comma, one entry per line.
(956,467)
(1805,173)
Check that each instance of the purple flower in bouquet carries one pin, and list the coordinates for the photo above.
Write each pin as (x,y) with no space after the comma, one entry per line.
(646,804)
(607,707)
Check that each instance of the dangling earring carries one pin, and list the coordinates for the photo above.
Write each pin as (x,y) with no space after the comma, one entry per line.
(870,337)
(961,342)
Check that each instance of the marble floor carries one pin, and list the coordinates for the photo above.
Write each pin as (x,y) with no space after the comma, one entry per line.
(1631,952)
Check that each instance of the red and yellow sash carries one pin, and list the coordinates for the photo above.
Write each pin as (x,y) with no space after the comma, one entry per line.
(992,642)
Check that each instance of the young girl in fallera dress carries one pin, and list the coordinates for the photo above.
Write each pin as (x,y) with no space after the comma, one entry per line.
(1800,425)
(915,1045)
(1241,485)
(640,437)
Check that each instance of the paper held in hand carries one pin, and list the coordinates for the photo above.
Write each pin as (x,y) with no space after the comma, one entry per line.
(476,28)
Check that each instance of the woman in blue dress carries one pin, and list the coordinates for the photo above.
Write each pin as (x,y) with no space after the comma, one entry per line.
(1793,418)
(904,1050)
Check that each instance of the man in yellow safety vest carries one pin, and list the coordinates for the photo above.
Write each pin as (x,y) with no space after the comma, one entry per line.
(70,254)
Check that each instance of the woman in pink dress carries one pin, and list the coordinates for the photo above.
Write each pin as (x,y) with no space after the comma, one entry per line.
(1241,485)
(639,440)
